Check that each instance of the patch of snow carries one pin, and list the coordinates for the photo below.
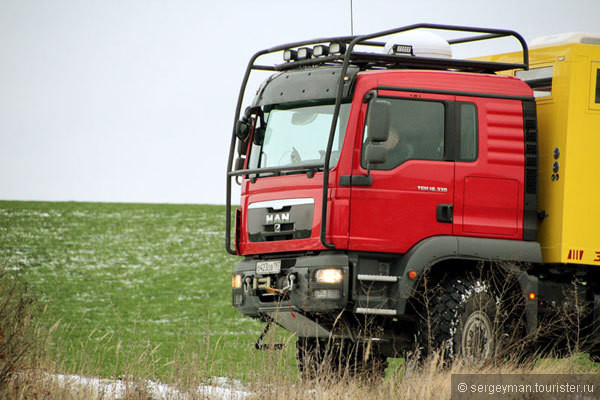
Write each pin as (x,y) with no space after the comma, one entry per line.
(221,388)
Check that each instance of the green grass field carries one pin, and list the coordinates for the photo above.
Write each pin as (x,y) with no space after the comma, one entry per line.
(133,286)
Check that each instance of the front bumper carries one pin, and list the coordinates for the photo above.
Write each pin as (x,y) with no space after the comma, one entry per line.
(306,294)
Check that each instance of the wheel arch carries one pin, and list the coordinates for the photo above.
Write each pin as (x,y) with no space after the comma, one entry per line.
(442,257)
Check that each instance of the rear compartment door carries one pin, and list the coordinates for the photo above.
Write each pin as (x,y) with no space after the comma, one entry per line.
(411,195)
(489,167)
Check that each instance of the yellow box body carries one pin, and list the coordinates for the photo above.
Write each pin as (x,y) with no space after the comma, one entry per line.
(568,119)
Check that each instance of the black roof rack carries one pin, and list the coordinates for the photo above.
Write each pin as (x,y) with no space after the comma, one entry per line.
(367,60)
(372,60)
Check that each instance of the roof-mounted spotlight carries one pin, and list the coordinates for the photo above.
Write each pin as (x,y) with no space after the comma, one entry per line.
(402,49)
(337,48)
(320,50)
(290,55)
(419,44)
(304,53)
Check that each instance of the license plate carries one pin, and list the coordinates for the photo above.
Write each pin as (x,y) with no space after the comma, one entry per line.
(268,267)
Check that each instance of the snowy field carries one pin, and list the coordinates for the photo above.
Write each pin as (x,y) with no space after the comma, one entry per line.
(219,389)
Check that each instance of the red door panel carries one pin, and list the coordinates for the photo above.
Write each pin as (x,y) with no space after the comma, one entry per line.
(490,206)
(399,209)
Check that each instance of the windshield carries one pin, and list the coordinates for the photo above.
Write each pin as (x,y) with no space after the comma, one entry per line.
(298,136)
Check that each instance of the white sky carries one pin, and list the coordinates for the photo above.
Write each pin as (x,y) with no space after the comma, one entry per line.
(133,101)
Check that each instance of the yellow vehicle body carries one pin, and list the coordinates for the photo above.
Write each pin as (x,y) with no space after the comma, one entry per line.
(565,74)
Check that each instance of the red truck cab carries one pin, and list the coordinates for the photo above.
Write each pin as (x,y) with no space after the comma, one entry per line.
(465,153)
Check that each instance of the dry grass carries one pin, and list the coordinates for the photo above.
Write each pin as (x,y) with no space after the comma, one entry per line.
(431,382)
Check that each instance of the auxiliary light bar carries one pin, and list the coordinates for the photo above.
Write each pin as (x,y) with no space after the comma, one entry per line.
(320,50)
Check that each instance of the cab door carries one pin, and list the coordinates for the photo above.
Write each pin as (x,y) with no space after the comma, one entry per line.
(410,196)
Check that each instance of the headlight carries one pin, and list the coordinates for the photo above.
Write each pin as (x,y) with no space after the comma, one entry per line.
(236,281)
(329,275)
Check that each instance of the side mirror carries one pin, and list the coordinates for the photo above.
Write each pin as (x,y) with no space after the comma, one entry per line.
(242,129)
(242,147)
(375,154)
(378,120)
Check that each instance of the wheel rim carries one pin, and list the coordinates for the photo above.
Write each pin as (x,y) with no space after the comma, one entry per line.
(477,338)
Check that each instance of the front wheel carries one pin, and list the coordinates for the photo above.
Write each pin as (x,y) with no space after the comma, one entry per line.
(462,322)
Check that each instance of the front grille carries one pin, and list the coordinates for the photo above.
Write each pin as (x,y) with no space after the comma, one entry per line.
(289,222)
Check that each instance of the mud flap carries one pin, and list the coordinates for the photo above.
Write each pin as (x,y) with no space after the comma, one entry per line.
(529,284)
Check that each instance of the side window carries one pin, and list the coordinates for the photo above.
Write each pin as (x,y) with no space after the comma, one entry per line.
(416,132)
(467,132)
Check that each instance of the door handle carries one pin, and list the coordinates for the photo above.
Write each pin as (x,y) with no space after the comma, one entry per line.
(355,180)
(444,213)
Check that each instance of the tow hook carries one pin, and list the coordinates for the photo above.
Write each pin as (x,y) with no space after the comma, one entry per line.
(291,278)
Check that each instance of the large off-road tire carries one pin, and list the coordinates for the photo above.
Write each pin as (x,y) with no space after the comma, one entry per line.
(462,321)
(322,358)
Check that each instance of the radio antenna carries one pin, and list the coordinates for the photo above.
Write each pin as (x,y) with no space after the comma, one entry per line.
(351,20)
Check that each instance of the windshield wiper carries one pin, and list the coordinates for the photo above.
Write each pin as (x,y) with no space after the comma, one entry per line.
(300,167)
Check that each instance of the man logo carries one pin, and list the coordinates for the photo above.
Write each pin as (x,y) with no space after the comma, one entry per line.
(277,227)
(277,218)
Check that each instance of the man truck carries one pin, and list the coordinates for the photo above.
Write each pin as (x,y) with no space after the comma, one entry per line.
(396,199)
